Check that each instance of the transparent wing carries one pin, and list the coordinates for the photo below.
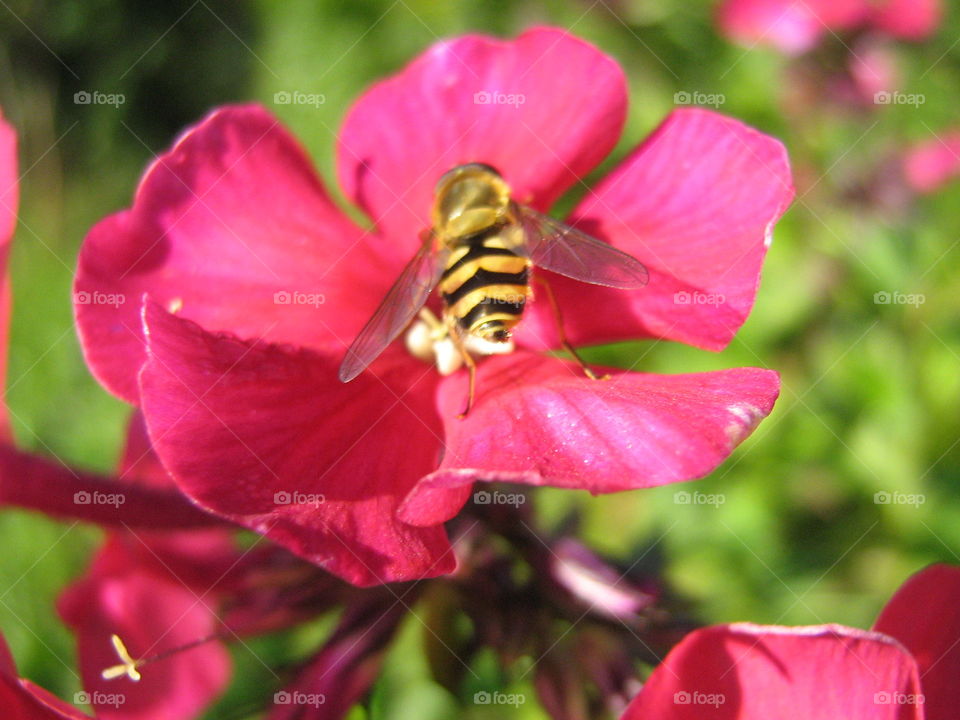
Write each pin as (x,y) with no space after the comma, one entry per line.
(555,246)
(398,308)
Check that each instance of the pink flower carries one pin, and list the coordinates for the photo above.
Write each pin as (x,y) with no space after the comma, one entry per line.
(931,164)
(239,388)
(906,667)
(22,700)
(795,26)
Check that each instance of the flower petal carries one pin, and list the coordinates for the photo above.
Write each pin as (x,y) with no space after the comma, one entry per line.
(932,163)
(538,420)
(9,198)
(924,615)
(9,184)
(907,19)
(151,615)
(232,229)
(790,26)
(751,672)
(543,109)
(696,203)
(270,438)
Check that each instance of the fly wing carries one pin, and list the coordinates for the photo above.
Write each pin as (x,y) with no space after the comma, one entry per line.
(555,246)
(398,308)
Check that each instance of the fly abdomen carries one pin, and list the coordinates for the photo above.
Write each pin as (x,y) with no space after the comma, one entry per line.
(485,286)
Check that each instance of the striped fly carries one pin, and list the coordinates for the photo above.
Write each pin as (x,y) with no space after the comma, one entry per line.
(479,253)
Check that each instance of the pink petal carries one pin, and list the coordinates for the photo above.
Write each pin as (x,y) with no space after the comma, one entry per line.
(222,225)
(269,437)
(696,203)
(751,672)
(932,163)
(908,19)
(538,420)
(791,26)
(924,615)
(22,700)
(9,184)
(556,108)
(9,197)
(151,615)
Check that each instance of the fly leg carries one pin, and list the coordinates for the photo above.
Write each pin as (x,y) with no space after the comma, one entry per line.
(552,299)
(471,368)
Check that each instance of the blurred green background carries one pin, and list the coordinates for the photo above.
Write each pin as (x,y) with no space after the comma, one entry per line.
(870,391)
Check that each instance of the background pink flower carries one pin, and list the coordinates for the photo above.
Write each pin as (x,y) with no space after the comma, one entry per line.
(238,382)
(795,26)
(930,164)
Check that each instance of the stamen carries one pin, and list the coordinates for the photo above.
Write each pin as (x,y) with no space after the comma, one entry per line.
(127,666)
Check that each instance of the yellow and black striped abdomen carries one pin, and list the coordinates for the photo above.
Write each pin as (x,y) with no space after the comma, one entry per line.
(485,285)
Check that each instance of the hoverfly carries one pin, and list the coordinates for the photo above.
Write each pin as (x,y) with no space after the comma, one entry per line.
(479,251)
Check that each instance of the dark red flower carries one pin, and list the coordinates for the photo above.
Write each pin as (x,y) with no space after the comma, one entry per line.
(196,321)
(158,591)
(906,668)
